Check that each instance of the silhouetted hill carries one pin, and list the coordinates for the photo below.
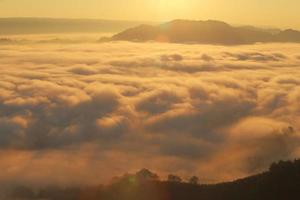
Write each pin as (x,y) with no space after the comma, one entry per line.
(205,32)
(51,25)
(288,35)
(281,182)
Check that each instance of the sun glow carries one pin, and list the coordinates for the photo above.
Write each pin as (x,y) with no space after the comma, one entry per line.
(168,9)
(175,4)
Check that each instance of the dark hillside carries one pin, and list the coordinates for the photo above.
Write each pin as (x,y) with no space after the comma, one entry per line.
(281,182)
(205,32)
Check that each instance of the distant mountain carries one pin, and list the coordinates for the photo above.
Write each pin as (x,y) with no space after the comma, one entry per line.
(205,32)
(281,182)
(6,41)
(51,25)
(288,35)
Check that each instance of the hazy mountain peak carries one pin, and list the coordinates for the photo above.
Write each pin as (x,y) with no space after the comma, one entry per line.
(206,32)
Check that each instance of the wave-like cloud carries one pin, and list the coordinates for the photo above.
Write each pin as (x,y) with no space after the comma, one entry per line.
(71,113)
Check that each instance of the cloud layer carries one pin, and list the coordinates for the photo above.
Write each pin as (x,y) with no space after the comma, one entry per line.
(70,113)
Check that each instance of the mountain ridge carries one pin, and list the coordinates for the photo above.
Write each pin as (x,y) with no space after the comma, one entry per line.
(204,32)
(33,25)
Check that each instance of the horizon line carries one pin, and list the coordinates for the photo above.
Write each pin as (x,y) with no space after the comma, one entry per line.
(151,21)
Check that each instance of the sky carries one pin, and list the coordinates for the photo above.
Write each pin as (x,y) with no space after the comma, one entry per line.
(274,13)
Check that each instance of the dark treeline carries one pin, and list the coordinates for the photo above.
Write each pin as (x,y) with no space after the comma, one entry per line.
(281,182)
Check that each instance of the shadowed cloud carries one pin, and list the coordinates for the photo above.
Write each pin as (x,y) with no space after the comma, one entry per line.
(81,113)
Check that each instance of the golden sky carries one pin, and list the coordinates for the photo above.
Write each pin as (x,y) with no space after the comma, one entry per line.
(279,13)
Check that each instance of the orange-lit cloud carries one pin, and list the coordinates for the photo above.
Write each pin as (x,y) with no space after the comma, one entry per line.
(71,113)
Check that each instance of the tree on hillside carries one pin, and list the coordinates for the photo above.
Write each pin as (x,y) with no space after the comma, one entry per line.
(146,175)
(194,180)
(174,178)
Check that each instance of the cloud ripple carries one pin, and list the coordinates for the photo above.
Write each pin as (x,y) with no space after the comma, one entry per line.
(104,109)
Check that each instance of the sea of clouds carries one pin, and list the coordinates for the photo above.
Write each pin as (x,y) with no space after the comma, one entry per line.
(83,113)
